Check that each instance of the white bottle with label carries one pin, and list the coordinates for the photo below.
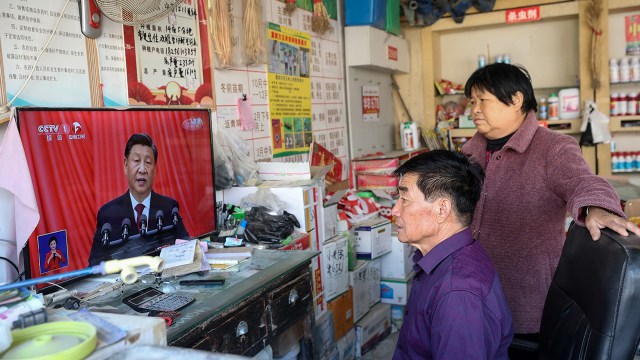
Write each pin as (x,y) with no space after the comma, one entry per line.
(635,68)
(409,136)
(552,104)
(569,106)
(614,71)
(625,70)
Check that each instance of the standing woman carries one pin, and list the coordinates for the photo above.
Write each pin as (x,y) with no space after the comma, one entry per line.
(534,177)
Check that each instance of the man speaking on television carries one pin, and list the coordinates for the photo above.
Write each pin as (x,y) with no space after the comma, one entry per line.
(140,220)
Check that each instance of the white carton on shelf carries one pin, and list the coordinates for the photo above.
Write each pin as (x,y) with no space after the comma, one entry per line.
(359,282)
(335,266)
(372,328)
(395,291)
(373,279)
(373,238)
(398,263)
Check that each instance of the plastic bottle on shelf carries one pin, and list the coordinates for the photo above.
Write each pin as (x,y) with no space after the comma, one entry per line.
(621,108)
(543,110)
(635,68)
(625,70)
(629,162)
(482,61)
(506,58)
(637,163)
(613,107)
(632,104)
(614,71)
(552,104)
(615,161)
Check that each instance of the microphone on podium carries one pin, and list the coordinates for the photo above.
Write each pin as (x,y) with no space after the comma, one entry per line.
(143,224)
(125,228)
(175,216)
(159,219)
(106,233)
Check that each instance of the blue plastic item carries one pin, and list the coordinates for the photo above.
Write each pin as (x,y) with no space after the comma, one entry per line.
(366,12)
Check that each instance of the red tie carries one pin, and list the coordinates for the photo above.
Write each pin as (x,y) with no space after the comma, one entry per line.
(139,208)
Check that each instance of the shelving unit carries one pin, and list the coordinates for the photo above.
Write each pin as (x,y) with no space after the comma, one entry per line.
(568,126)
(630,123)
(624,129)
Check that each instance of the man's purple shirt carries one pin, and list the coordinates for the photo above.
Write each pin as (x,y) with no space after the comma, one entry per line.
(456,308)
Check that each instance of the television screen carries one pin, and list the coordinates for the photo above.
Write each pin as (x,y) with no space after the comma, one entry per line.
(91,168)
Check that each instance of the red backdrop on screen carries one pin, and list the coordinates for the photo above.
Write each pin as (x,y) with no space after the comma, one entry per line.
(76,160)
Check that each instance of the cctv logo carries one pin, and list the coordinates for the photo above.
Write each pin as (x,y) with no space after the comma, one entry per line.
(76,127)
(77,132)
(192,124)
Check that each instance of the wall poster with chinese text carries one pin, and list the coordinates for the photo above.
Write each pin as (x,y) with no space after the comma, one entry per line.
(168,61)
(61,77)
(370,103)
(289,90)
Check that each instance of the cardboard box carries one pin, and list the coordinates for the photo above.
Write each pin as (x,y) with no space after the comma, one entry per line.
(361,290)
(373,238)
(397,317)
(323,337)
(320,306)
(373,279)
(394,291)
(398,263)
(335,263)
(347,346)
(372,328)
(330,220)
(376,182)
(300,241)
(342,309)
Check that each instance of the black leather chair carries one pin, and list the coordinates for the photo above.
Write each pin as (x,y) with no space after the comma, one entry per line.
(592,309)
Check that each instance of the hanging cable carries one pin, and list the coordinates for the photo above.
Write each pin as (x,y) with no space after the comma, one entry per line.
(5,108)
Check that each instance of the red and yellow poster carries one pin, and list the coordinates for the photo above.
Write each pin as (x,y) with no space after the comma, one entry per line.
(632,34)
(289,90)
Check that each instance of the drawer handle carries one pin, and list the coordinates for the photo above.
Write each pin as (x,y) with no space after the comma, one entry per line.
(242,329)
(293,297)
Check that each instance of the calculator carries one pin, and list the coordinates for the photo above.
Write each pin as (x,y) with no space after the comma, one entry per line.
(151,299)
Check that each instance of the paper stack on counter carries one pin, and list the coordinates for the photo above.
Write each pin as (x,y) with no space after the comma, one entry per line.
(222,259)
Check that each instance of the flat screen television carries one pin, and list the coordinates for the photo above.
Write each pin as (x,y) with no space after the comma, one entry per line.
(77,161)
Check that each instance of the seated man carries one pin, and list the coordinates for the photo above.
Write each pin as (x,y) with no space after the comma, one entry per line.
(140,157)
(456,308)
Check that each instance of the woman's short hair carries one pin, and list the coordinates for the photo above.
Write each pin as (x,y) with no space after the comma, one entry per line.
(504,81)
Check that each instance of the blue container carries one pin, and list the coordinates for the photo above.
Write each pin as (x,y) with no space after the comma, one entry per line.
(366,12)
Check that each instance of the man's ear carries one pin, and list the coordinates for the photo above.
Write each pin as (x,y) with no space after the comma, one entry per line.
(444,209)
(124,166)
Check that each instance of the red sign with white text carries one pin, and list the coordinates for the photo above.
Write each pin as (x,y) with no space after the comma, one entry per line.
(525,14)
(392,53)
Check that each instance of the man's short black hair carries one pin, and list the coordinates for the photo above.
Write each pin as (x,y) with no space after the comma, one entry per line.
(141,139)
(53,238)
(504,81)
(447,173)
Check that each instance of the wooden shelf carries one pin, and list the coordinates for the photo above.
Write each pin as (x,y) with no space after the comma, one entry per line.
(617,123)
(573,127)
(463,132)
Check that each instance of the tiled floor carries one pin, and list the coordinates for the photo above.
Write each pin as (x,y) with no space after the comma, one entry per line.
(384,349)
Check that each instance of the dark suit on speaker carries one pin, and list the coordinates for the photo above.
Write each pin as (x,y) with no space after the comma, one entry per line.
(115,211)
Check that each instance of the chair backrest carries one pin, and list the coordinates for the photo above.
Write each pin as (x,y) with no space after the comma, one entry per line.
(592,309)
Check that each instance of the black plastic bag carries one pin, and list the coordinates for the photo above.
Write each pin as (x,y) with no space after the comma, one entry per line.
(263,227)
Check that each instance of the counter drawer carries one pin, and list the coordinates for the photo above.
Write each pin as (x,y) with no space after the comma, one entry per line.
(289,302)
(239,332)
